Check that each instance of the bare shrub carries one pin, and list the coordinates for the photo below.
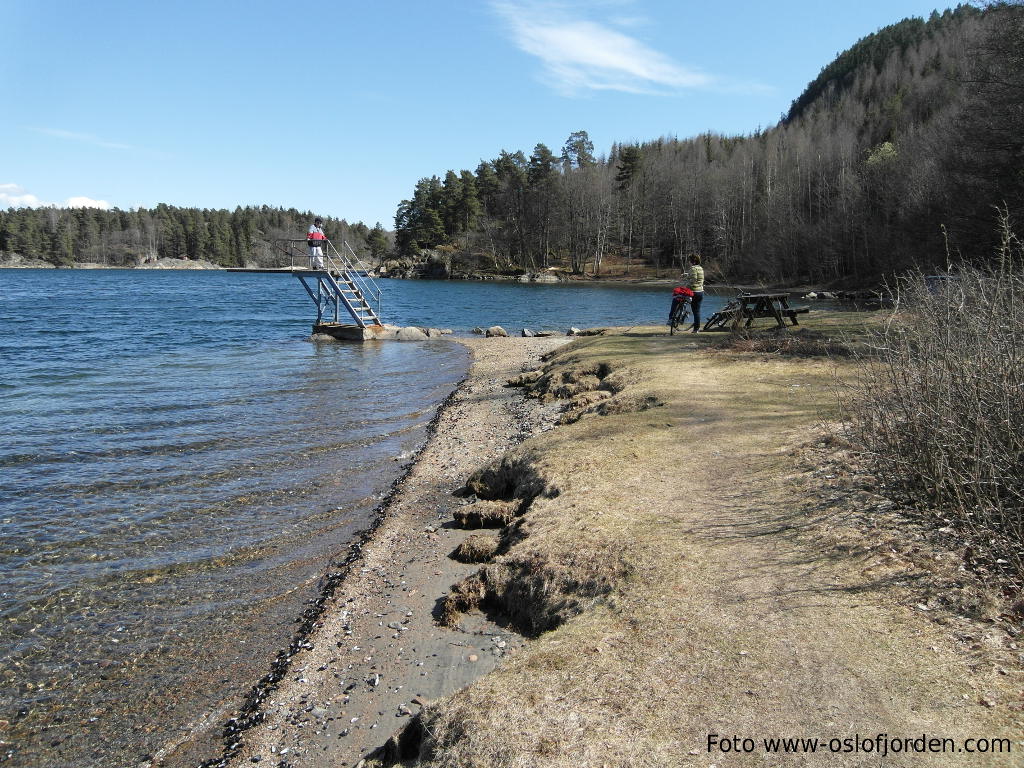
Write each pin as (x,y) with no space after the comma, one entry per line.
(940,409)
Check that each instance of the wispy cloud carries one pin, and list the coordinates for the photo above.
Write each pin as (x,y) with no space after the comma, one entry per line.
(85,138)
(16,196)
(580,54)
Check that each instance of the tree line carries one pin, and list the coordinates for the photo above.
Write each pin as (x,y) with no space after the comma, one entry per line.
(898,154)
(246,235)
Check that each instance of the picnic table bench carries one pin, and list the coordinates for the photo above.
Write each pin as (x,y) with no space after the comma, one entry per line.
(754,305)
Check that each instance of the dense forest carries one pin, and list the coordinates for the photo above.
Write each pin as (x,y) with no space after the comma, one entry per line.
(899,153)
(63,236)
(902,152)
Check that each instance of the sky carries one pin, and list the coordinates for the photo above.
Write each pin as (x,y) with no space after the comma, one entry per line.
(340,107)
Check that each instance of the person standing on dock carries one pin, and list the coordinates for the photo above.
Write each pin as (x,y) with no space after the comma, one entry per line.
(695,281)
(315,239)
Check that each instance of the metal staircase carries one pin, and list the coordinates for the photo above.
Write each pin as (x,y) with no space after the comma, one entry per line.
(342,281)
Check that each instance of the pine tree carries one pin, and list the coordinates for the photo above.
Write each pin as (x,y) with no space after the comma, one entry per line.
(578,151)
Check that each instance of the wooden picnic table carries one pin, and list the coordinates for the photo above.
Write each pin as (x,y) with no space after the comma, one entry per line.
(754,305)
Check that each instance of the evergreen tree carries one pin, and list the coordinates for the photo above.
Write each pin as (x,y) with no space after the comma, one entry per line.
(469,202)
(451,201)
(578,151)
(377,240)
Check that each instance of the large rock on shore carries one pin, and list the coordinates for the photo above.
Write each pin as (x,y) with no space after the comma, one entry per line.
(410,334)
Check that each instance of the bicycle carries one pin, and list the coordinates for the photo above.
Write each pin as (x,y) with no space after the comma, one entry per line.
(727,315)
(678,318)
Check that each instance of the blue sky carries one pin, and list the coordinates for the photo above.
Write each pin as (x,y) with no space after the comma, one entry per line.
(339,107)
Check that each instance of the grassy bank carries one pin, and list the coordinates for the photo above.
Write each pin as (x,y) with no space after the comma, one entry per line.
(693,560)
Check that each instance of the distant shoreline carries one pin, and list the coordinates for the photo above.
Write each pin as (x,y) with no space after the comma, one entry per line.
(189,264)
(192,264)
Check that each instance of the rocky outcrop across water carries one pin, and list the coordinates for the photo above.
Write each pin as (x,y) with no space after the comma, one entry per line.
(444,264)
(178,264)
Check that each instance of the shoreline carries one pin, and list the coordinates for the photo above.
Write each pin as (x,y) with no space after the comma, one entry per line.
(784,586)
(159,264)
(351,591)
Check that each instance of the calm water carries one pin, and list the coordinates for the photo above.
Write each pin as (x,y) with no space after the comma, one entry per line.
(179,465)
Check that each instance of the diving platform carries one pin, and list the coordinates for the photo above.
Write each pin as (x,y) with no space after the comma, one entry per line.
(338,280)
(269,270)
(278,270)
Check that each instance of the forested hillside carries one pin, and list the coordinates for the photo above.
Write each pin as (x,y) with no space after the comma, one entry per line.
(63,236)
(902,146)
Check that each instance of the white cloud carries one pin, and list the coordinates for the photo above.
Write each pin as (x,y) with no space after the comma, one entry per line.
(581,54)
(86,202)
(15,196)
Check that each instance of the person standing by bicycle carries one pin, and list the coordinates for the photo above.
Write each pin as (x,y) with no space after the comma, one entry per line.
(695,282)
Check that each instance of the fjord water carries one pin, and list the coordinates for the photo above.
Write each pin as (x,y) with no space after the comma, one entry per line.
(179,464)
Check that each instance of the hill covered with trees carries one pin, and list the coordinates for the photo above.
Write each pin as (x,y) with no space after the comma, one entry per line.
(64,236)
(898,153)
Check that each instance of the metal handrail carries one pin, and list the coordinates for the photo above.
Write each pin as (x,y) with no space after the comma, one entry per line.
(366,285)
(368,277)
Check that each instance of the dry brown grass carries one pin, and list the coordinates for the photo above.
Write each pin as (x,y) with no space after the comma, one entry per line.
(796,341)
(513,476)
(675,585)
(476,549)
(486,514)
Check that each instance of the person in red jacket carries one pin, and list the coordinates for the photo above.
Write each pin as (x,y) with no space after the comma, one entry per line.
(316,239)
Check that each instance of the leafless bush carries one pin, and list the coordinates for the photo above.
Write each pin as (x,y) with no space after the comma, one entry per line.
(940,409)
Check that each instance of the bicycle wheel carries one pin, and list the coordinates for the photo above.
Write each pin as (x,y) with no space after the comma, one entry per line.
(678,320)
